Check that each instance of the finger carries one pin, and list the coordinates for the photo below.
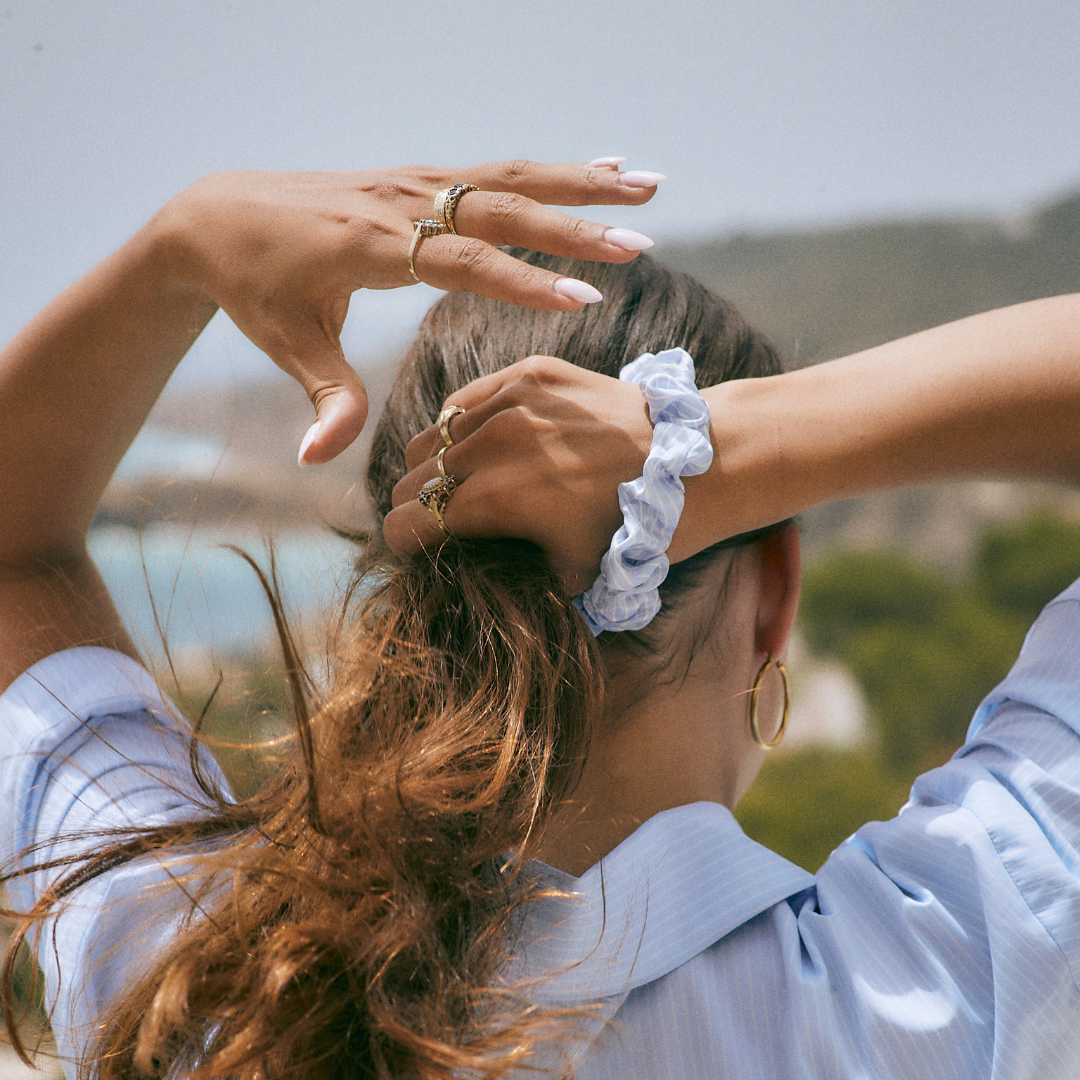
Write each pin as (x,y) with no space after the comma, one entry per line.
(312,355)
(570,184)
(545,372)
(460,426)
(341,410)
(465,264)
(456,462)
(410,526)
(489,394)
(507,218)
(410,529)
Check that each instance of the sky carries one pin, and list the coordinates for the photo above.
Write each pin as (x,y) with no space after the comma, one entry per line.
(765,116)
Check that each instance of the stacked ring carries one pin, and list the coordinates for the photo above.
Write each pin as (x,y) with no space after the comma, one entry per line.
(423,227)
(435,494)
(446,203)
(444,422)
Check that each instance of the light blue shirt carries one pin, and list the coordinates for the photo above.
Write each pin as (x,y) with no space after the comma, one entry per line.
(943,943)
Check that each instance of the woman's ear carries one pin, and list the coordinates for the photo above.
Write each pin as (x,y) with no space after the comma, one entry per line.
(781,581)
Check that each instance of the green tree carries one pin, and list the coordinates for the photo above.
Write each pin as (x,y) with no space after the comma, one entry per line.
(854,591)
(925,650)
(924,681)
(803,804)
(1020,567)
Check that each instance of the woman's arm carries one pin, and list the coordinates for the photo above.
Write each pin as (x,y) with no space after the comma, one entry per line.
(75,387)
(282,254)
(544,445)
(996,395)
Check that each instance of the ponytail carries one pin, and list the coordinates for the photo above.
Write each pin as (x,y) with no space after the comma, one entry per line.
(374,890)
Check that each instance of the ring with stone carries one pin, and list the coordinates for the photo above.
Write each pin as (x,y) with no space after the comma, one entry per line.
(446,203)
(435,494)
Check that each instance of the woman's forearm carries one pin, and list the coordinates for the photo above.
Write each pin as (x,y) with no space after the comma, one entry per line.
(995,395)
(76,385)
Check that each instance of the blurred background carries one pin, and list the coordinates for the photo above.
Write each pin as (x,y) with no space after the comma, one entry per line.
(846,171)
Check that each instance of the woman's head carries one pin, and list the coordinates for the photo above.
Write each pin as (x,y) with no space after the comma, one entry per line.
(647,308)
(707,631)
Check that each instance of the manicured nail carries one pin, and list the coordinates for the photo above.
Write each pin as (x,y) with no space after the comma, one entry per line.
(581,291)
(627,239)
(605,163)
(308,439)
(641,179)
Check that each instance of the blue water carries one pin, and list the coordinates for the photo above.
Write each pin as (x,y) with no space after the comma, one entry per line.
(209,600)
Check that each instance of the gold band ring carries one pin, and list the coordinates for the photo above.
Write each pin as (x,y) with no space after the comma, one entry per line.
(439,461)
(423,227)
(446,203)
(435,494)
(755,694)
(444,422)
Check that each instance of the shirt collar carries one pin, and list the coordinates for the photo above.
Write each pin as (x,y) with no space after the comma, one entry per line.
(682,881)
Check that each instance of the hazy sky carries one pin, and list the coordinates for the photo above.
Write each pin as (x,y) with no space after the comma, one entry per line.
(763,115)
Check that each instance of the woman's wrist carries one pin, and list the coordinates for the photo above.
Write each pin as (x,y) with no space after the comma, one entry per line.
(76,384)
(745,488)
(172,238)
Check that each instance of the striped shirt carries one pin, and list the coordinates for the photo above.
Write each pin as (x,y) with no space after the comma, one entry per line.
(943,943)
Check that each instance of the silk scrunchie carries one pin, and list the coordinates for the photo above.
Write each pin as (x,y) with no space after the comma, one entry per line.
(625,596)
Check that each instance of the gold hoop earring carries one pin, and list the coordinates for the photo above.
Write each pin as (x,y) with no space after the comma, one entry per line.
(755,694)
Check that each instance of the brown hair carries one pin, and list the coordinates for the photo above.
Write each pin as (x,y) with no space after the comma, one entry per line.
(359,907)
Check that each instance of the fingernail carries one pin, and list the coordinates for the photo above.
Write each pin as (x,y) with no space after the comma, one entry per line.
(627,239)
(641,179)
(581,291)
(605,163)
(308,439)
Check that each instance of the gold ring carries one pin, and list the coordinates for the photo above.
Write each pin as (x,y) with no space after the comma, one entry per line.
(439,462)
(423,227)
(435,494)
(444,422)
(446,203)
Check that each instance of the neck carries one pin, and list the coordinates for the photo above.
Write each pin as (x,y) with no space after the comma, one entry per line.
(677,747)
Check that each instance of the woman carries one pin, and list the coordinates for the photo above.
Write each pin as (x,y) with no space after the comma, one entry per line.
(502,842)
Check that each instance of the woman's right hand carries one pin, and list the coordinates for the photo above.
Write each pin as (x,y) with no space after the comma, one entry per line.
(539,453)
(282,253)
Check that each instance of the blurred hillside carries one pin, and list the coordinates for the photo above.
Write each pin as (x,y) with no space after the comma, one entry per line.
(830,292)
(241,467)
(818,294)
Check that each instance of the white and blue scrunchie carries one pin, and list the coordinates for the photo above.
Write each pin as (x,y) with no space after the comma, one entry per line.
(625,596)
